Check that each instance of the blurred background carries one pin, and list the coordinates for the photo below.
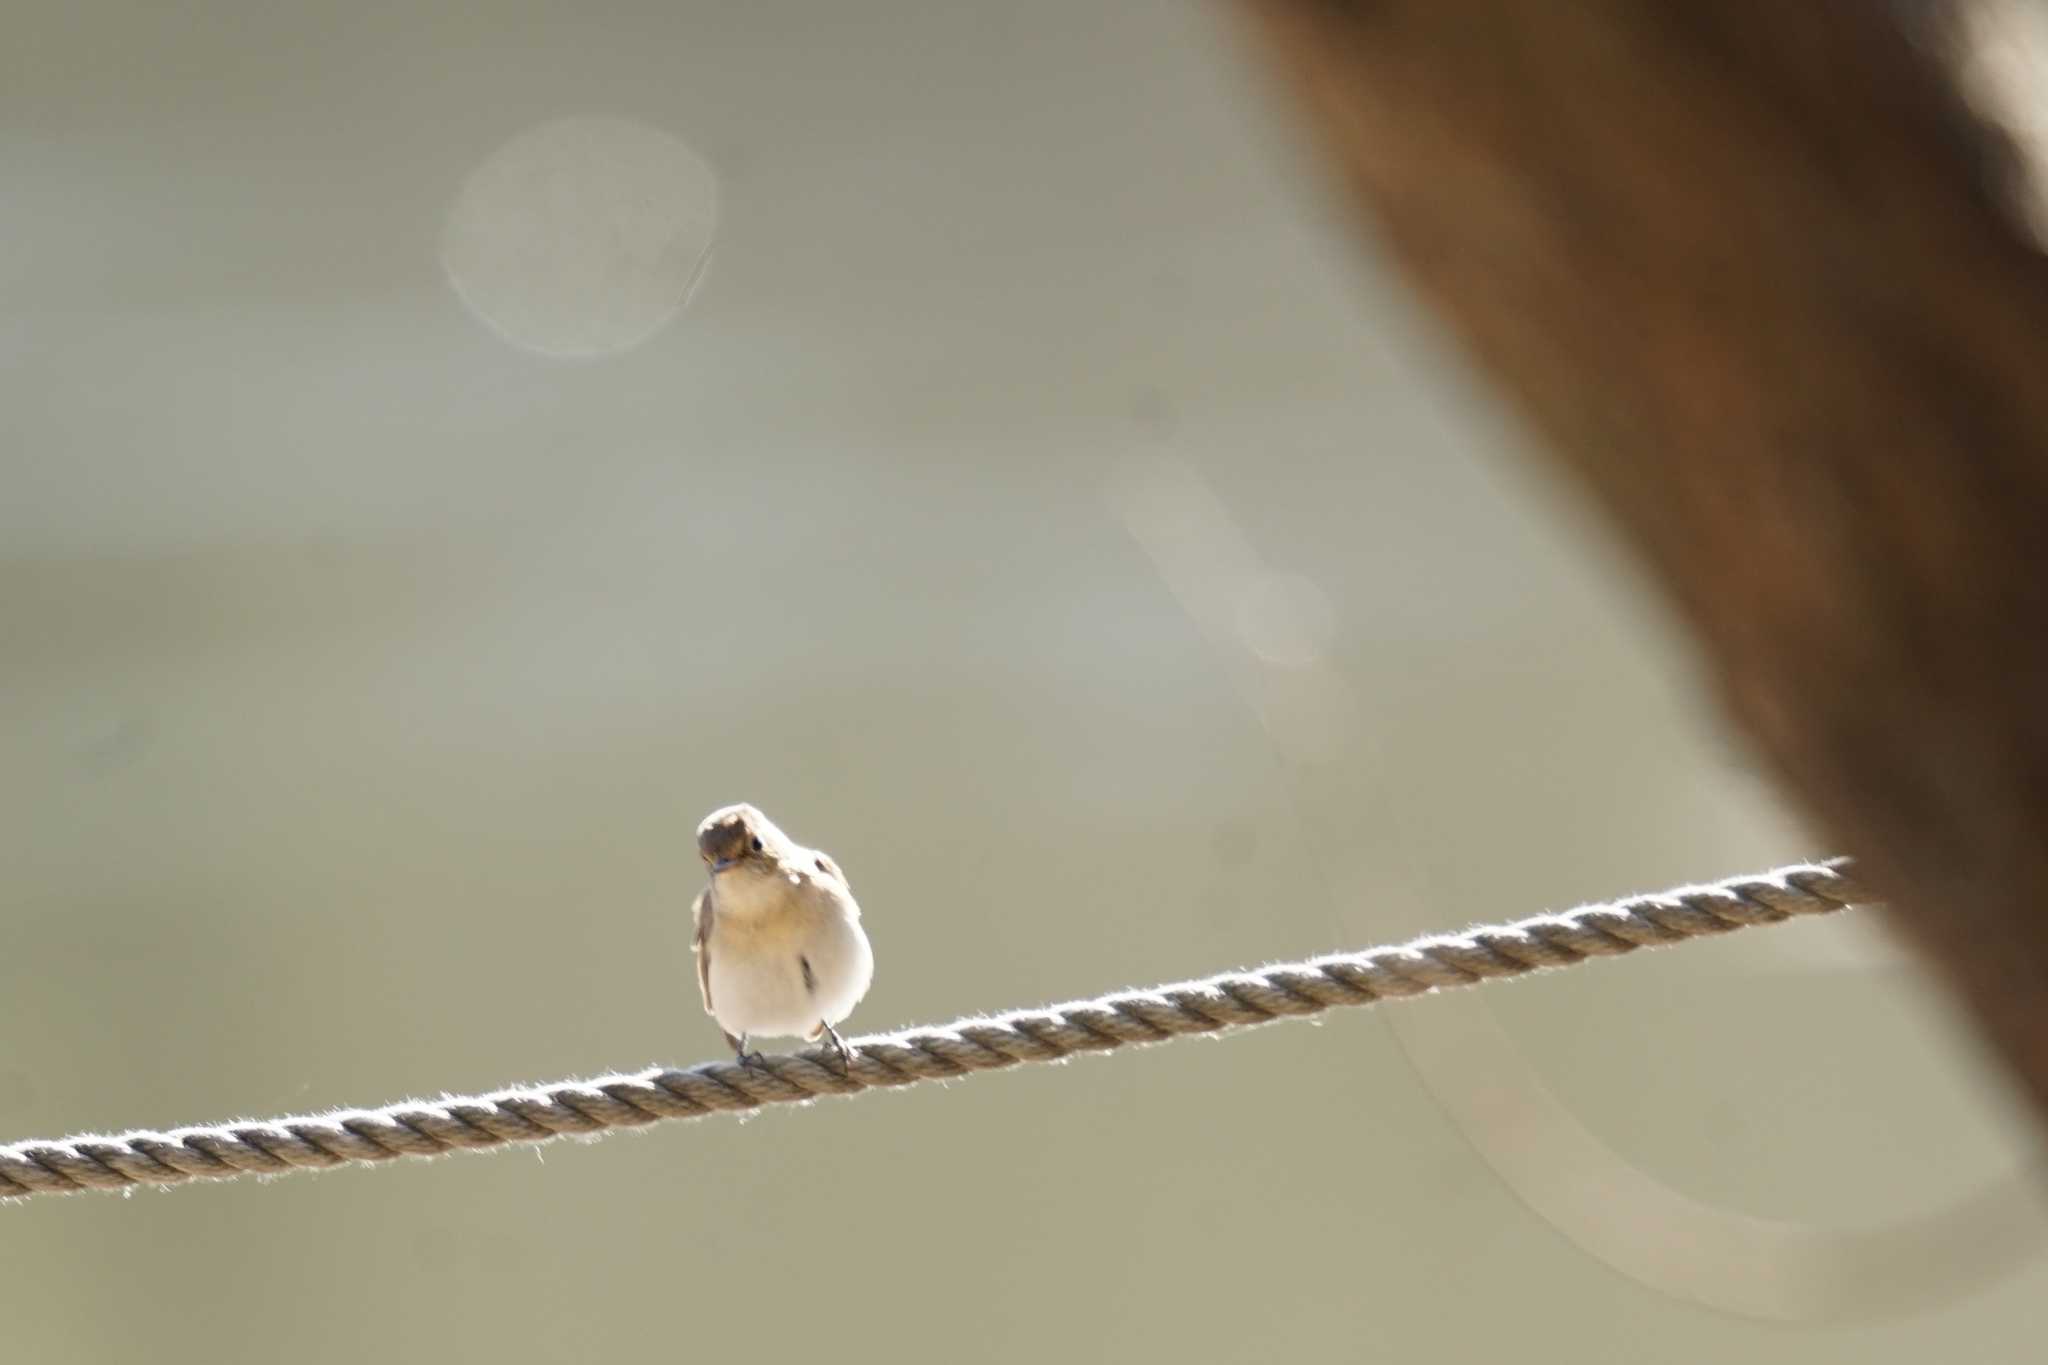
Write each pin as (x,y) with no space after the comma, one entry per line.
(449,451)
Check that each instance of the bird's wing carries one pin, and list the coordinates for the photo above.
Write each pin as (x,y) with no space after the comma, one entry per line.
(703,912)
(829,870)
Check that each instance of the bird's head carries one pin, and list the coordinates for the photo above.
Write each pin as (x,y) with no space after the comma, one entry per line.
(740,838)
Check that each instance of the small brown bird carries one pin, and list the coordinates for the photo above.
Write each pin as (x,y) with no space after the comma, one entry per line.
(780,950)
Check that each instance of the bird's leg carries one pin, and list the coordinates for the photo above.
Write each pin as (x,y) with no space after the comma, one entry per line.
(739,1049)
(839,1045)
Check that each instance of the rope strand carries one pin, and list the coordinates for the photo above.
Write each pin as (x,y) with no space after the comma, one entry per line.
(1232,1000)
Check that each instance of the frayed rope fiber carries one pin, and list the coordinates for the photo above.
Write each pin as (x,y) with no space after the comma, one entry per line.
(1233,1000)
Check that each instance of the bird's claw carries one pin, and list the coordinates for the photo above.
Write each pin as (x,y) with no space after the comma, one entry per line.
(839,1046)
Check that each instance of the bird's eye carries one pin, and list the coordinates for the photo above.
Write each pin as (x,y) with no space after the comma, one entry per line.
(757,843)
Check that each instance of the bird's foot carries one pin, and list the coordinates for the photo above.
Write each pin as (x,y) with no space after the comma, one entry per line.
(839,1046)
(746,1058)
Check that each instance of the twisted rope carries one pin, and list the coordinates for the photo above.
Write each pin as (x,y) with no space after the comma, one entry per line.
(1230,1001)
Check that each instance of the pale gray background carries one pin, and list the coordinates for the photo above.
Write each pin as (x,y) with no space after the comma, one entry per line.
(362,675)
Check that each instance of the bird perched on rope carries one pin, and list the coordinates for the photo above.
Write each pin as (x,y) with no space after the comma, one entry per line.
(780,950)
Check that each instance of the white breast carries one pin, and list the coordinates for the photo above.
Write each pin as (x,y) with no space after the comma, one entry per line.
(758,981)
(842,968)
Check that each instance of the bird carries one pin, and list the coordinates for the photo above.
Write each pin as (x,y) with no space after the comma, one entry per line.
(779,945)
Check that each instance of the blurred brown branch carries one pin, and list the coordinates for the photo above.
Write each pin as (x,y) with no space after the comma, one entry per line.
(1754,271)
